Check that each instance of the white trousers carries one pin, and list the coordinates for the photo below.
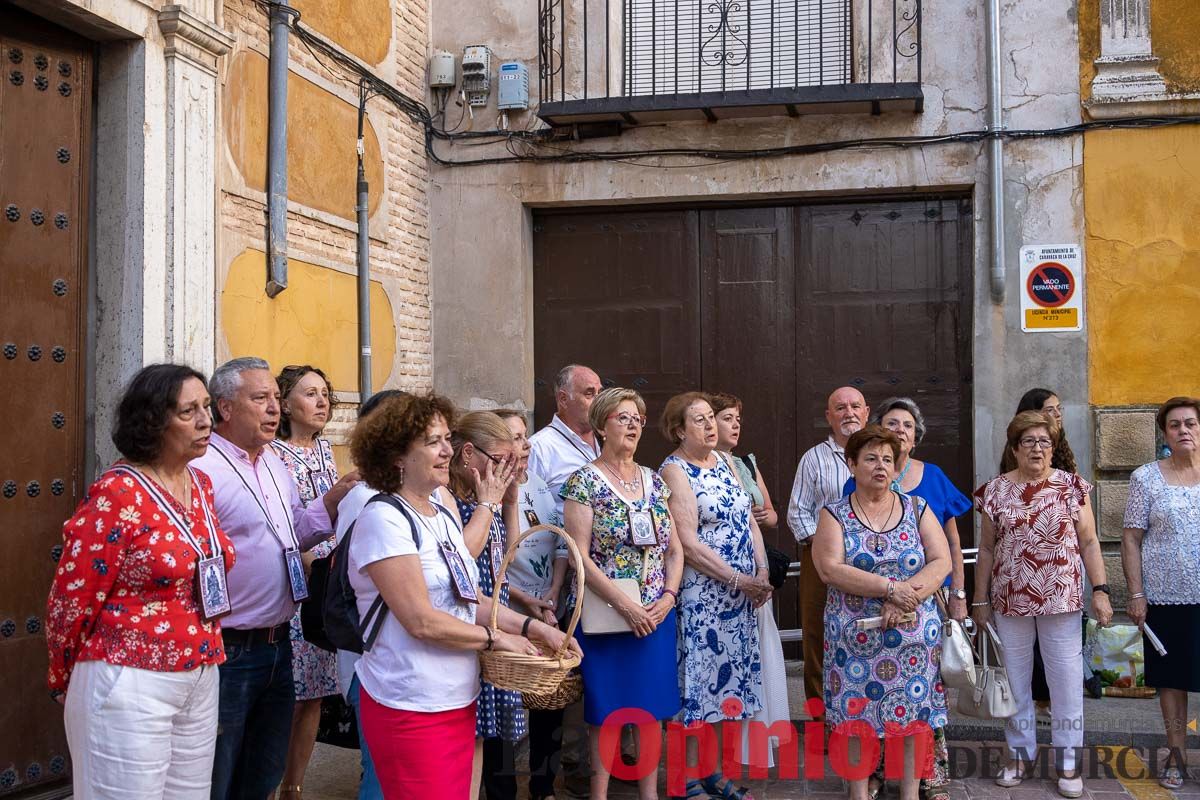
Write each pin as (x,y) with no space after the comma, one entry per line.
(136,734)
(1061,639)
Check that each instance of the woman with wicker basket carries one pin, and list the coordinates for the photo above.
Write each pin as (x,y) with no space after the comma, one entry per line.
(617,514)
(420,673)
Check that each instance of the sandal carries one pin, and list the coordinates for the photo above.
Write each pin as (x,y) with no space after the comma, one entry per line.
(717,785)
(290,791)
(876,787)
(694,789)
(1171,778)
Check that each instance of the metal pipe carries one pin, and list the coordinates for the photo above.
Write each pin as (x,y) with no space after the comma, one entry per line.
(995,149)
(277,75)
(363,278)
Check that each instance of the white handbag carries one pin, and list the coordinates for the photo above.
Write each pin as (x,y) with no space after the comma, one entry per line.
(598,616)
(992,696)
(958,657)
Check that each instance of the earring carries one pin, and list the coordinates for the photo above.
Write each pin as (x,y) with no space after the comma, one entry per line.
(402,475)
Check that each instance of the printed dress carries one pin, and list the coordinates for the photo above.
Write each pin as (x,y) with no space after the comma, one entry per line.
(314,671)
(499,713)
(719,651)
(883,677)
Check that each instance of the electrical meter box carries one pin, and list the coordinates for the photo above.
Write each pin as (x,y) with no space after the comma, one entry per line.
(441,70)
(514,86)
(476,74)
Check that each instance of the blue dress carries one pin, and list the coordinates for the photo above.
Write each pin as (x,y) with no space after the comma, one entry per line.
(719,654)
(499,714)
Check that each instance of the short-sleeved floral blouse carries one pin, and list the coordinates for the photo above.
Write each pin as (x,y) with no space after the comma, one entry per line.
(1035,569)
(1170,517)
(612,545)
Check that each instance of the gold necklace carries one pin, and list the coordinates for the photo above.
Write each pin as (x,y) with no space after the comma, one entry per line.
(183,496)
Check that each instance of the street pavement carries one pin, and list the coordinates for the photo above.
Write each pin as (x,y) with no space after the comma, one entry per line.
(1122,733)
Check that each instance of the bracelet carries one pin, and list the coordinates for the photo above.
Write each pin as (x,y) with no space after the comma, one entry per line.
(493,507)
(491,638)
(984,603)
(525,627)
(1137,595)
(673,593)
(891,589)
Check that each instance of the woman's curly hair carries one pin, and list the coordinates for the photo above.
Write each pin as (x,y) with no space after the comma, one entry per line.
(382,437)
(146,408)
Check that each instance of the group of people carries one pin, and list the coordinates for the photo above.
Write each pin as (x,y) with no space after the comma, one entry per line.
(192,551)
(879,541)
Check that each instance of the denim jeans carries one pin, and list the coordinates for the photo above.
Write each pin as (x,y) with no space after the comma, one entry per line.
(254,722)
(368,788)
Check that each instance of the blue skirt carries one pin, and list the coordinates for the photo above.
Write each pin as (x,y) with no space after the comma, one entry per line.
(623,671)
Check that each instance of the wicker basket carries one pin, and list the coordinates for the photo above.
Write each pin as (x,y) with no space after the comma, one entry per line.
(568,692)
(538,675)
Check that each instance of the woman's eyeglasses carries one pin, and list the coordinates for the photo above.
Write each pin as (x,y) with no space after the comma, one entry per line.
(1030,443)
(625,418)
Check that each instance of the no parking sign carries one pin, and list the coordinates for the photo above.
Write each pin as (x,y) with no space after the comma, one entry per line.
(1051,288)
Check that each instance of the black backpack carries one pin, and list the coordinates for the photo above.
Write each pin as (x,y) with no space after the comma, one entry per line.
(340,625)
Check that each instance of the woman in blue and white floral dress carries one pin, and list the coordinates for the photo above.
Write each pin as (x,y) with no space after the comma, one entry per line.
(724,580)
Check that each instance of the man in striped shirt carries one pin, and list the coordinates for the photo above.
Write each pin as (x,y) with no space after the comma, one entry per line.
(819,480)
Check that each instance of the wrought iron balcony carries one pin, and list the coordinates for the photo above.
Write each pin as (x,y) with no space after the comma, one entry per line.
(635,61)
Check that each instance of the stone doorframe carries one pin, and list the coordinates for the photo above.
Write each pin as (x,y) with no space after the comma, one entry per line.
(154,243)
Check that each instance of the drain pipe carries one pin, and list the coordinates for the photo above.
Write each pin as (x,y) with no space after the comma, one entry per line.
(996,149)
(363,259)
(277,74)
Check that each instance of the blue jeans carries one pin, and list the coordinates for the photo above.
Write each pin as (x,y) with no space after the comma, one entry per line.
(254,720)
(368,788)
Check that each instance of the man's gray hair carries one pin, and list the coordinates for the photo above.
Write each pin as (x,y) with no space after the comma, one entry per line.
(905,404)
(227,379)
(562,381)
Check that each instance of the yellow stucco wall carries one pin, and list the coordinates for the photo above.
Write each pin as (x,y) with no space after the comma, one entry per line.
(322,129)
(1174,29)
(312,322)
(1141,204)
(364,27)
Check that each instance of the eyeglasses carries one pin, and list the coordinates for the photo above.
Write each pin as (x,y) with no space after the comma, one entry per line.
(1029,443)
(494,459)
(625,418)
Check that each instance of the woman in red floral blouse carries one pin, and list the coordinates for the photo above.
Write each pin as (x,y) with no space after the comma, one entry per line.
(132,617)
(1037,526)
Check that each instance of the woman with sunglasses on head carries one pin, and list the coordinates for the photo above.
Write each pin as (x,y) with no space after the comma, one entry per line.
(616,511)
(481,480)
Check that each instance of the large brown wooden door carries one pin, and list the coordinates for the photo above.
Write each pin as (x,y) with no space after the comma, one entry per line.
(778,305)
(45,142)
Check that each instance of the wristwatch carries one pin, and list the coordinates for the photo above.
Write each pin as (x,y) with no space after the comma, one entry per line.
(960,594)
(1102,587)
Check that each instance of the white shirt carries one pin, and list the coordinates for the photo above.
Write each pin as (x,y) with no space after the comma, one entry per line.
(401,671)
(820,477)
(557,454)
(348,510)
(532,570)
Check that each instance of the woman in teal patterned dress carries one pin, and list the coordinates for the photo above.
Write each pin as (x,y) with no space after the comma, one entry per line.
(724,580)
(883,555)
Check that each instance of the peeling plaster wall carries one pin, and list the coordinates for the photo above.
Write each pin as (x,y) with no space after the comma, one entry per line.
(482,237)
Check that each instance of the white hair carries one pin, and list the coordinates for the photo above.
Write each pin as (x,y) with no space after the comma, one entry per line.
(227,379)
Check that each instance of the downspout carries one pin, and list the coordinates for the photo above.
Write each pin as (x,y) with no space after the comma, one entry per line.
(363,260)
(995,149)
(277,75)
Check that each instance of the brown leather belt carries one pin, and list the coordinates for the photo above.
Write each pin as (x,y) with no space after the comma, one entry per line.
(247,637)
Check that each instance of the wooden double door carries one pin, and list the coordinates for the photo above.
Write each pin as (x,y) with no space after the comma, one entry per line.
(778,305)
(45,152)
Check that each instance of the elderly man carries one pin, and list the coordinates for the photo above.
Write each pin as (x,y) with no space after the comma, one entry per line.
(568,442)
(819,480)
(259,508)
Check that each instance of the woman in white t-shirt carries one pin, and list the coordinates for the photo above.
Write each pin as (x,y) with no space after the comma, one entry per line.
(420,677)
(536,578)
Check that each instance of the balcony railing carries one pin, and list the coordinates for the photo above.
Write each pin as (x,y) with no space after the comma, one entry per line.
(644,60)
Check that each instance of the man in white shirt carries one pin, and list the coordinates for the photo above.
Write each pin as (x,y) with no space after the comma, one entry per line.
(568,442)
(819,480)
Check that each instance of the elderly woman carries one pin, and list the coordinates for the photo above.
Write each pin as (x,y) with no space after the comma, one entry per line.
(602,501)
(420,676)
(903,417)
(775,708)
(1161,550)
(306,402)
(482,442)
(1037,523)
(131,622)
(1046,402)
(724,580)
(883,555)
(536,577)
